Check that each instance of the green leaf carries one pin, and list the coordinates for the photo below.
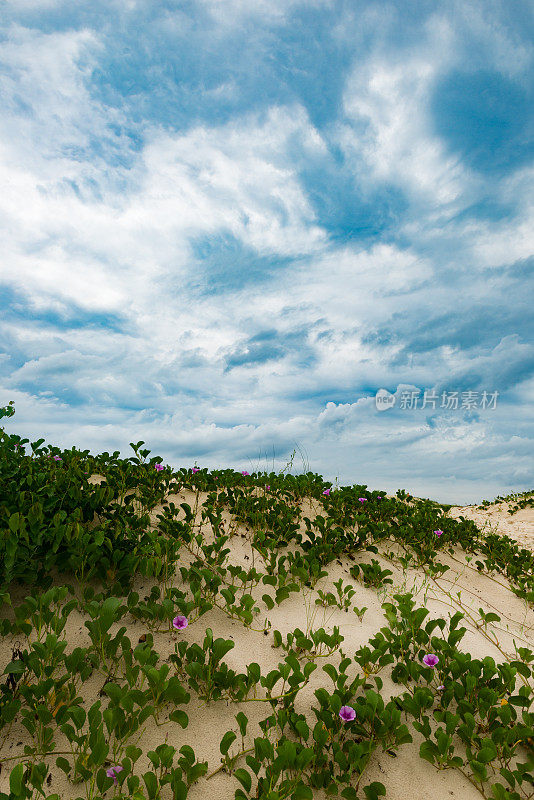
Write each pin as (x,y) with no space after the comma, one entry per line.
(221,647)
(429,751)
(179,789)
(180,717)
(499,792)
(244,778)
(227,741)
(15,668)
(302,792)
(242,721)
(151,783)
(310,667)
(197,771)
(374,790)
(133,752)
(99,751)
(63,764)
(479,770)
(14,525)
(331,671)
(335,703)
(268,600)
(15,779)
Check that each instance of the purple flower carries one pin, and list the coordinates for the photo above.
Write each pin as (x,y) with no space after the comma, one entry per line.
(438,533)
(430,660)
(179,623)
(57,458)
(362,499)
(441,688)
(195,469)
(244,472)
(159,467)
(379,498)
(112,773)
(268,487)
(327,492)
(347,713)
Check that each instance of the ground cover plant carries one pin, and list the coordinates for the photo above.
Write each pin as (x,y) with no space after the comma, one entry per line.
(189,633)
(516,501)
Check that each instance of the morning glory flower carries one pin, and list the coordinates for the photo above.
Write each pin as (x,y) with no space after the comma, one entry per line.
(57,458)
(430,660)
(159,467)
(362,499)
(441,688)
(438,533)
(245,472)
(347,713)
(196,469)
(112,773)
(179,623)
(327,492)
(268,487)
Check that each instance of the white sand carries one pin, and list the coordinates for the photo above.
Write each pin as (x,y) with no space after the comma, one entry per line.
(406,776)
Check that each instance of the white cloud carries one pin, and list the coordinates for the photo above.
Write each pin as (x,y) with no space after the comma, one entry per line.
(113,233)
(230,12)
(387,101)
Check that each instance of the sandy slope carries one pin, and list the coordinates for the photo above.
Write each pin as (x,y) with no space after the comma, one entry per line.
(406,775)
(495,518)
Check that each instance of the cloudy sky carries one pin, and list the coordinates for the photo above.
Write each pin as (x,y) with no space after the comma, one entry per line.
(226,224)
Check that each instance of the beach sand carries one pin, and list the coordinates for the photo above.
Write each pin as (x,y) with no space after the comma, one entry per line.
(497,519)
(406,776)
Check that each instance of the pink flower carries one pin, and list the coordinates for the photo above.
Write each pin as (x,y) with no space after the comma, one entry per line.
(327,492)
(379,498)
(441,688)
(112,773)
(159,467)
(195,469)
(347,713)
(245,472)
(179,623)
(57,458)
(362,499)
(430,660)
(438,533)
(268,487)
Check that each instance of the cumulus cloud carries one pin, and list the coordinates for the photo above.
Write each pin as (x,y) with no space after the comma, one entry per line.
(228,253)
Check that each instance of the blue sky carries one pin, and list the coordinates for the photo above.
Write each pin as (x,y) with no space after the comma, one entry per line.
(227,223)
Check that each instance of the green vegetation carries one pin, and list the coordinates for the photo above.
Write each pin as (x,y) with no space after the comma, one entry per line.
(516,501)
(77,530)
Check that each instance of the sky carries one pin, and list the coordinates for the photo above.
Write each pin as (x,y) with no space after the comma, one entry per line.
(227,224)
